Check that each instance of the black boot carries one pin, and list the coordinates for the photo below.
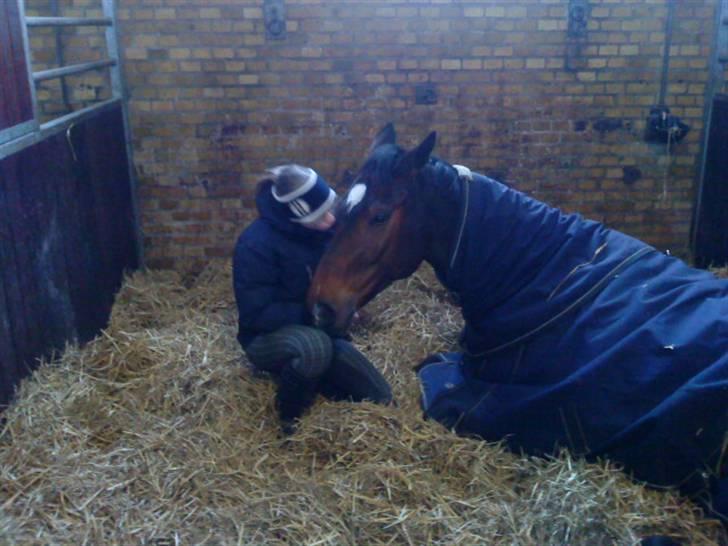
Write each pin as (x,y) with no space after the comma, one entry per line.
(296,393)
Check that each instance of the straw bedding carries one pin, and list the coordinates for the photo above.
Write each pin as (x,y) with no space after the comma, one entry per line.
(157,432)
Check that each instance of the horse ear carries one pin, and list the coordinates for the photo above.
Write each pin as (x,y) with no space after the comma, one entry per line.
(423,151)
(386,135)
(418,157)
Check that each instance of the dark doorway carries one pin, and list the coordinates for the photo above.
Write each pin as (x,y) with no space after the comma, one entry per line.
(711,226)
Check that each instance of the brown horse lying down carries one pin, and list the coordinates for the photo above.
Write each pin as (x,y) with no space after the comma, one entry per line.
(576,335)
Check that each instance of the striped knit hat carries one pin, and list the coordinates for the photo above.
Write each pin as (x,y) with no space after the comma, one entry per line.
(307,195)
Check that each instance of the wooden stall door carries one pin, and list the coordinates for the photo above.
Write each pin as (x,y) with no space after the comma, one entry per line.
(67,235)
(711,238)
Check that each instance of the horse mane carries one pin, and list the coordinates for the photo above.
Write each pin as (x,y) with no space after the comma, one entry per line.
(441,178)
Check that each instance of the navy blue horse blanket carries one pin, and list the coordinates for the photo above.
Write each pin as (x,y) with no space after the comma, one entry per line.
(582,337)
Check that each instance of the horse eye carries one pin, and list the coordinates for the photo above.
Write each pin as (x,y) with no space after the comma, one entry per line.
(380,218)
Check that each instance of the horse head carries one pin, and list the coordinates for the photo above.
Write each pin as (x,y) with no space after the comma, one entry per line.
(379,237)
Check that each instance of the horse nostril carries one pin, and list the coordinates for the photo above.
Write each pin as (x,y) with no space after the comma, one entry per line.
(323,314)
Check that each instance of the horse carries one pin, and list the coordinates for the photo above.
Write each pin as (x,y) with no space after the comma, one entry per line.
(576,335)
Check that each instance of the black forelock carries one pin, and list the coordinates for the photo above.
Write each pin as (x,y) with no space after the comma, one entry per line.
(381,163)
(376,173)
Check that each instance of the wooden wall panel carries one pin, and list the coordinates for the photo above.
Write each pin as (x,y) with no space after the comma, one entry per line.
(68,235)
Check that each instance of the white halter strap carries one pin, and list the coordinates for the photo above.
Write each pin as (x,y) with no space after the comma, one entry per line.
(466,175)
(464,172)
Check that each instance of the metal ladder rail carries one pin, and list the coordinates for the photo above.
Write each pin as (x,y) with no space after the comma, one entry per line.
(33,131)
(112,48)
(118,92)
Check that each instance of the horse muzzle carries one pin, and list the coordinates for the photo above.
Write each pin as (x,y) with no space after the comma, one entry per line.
(324,315)
(328,319)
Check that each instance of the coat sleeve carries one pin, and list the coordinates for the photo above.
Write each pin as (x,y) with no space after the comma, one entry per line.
(258,293)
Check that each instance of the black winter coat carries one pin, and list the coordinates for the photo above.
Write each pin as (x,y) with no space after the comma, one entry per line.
(273,265)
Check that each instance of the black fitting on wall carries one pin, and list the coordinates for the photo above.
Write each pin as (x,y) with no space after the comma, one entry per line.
(576,32)
(425,93)
(274,15)
(578,18)
(662,126)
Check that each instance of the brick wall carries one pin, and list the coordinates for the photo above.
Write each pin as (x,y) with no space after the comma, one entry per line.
(213,102)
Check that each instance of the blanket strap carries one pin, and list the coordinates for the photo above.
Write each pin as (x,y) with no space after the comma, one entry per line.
(593,291)
(466,176)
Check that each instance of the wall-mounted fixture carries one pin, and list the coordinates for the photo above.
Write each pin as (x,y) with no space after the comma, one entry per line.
(425,93)
(576,34)
(274,15)
(662,126)
(578,15)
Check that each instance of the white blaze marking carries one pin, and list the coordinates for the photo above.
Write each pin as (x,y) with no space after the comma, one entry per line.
(356,194)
